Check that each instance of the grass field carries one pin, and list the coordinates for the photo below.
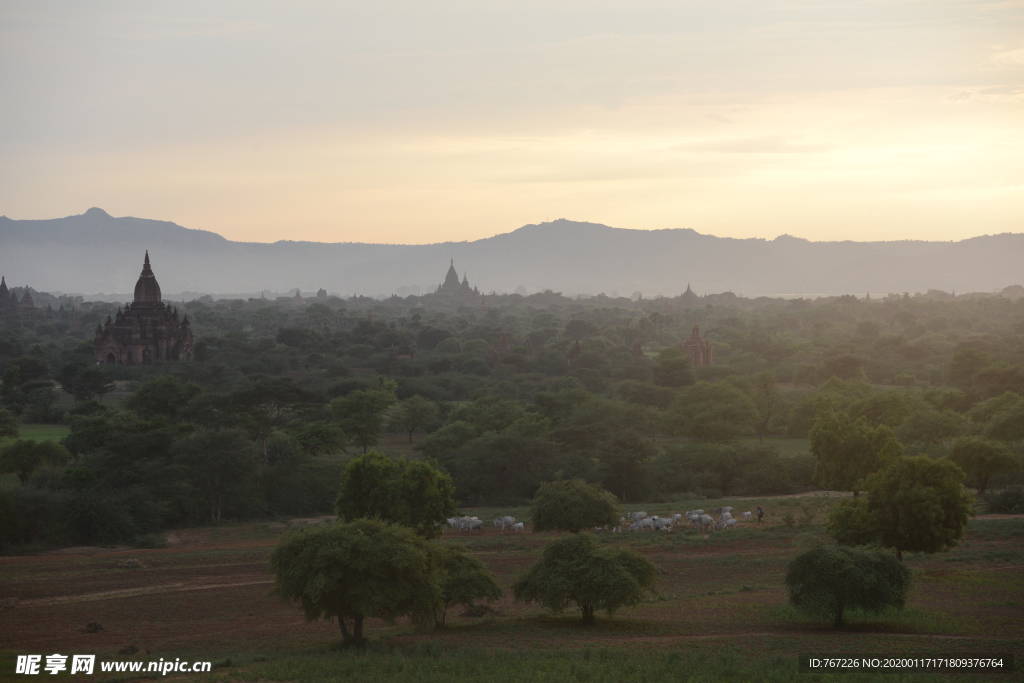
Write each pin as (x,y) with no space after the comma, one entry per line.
(39,432)
(719,613)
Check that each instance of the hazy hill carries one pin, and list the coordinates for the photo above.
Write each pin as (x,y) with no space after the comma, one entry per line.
(95,252)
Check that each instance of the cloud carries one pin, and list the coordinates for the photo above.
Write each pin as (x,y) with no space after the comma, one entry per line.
(759,145)
(1009,58)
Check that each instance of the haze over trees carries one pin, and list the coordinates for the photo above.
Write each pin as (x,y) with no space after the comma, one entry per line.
(562,255)
(494,391)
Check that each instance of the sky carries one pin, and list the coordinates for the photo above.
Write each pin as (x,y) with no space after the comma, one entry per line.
(415,122)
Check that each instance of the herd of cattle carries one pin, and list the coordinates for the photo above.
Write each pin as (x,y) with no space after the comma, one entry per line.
(698,519)
(634,521)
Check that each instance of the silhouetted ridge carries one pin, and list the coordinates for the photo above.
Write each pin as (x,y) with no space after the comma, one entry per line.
(95,252)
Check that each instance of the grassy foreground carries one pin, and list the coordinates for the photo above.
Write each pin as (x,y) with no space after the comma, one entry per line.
(719,613)
(429,663)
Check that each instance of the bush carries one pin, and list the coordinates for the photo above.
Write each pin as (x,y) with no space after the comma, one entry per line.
(851,523)
(582,571)
(828,580)
(573,505)
(411,493)
(465,580)
(1008,502)
(361,569)
(30,516)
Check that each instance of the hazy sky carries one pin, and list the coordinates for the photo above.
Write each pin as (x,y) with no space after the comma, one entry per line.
(417,121)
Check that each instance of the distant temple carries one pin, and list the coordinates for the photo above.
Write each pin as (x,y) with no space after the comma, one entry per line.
(147,330)
(10,306)
(689,298)
(700,351)
(452,287)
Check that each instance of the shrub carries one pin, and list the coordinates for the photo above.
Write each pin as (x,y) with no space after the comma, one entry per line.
(1008,502)
(573,505)
(352,571)
(828,580)
(582,571)
(465,580)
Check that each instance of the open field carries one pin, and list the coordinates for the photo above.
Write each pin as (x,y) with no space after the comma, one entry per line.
(720,609)
(39,432)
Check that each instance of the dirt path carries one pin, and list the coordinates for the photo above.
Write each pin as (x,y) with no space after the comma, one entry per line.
(134,592)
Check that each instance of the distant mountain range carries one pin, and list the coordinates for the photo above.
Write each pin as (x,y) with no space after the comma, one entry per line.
(95,252)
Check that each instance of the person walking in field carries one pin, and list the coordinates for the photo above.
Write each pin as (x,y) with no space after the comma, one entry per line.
(760,514)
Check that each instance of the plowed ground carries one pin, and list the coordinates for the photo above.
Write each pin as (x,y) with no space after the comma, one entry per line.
(206,596)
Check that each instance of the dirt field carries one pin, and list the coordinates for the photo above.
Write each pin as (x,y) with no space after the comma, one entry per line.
(205,596)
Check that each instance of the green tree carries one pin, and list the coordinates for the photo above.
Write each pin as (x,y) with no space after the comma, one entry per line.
(828,580)
(919,504)
(1007,425)
(218,464)
(411,493)
(982,458)
(712,412)
(448,438)
(672,368)
(767,400)
(889,408)
(848,450)
(414,413)
(622,462)
(573,505)
(39,404)
(91,382)
(964,365)
(269,405)
(464,580)
(489,413)
(845,367)
(582,571)
(9,424)
(929,426)
(24,457)
(162,397)
(851,523)
(984,411)
(361,414)
(350,571)
(317,438)
(645,394)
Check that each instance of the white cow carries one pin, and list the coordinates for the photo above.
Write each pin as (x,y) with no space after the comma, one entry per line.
(726,523)
(505,521)
(517,527)
(636,516)
(706,521)
(746,516)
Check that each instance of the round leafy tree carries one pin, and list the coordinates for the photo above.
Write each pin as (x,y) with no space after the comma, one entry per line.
(582,571)
(365,568)
(847,451)
(981,459)
(573,505)
(464,580)
(918,504)
(827,580)
(25,456)
(851,523)
(412,493)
